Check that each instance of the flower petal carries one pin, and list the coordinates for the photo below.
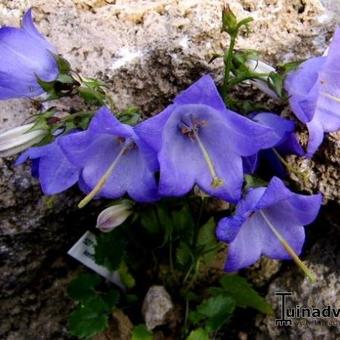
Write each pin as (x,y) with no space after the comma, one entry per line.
(203,91)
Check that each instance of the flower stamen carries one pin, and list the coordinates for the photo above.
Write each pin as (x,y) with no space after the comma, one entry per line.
(216,181)
(102,181)
(289,249)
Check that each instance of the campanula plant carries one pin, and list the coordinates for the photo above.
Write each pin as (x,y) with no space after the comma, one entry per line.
(197,142)
(26,56)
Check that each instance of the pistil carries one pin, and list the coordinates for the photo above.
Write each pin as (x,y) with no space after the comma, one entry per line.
(102,181)
(289,249)
(216,181)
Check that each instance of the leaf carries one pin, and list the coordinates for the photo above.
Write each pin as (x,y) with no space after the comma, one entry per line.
(183,222)
(89,319)
(111,298)
(243,293)
(149,220)
(140,332)
(91,96)
(198,334)
(183,254)
(207,242)
(109,249)
(217,310)
(82,287)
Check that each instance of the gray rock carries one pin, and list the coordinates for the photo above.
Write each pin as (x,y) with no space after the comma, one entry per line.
(323,259)
(156,307)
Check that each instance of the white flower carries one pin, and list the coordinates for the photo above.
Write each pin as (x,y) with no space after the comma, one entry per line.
(18,139)
(113,216)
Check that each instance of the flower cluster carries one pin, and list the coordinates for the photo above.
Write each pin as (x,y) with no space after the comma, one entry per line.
(195,141)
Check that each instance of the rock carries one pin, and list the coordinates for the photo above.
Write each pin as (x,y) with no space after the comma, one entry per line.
(157,306)
(147,51)
(323,259)
(120,327)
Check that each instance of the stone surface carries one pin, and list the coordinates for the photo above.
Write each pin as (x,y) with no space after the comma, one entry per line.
(323,259)
(156,307)
(146,51)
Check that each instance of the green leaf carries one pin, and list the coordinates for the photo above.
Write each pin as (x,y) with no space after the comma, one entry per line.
(243,293)
(140,332)
(183,222)
(91,96)
(198,334)
(184,254)
(88,319)
(217,310)
(111,298)
(63,65)
(207,242)
(149,220)
(82,287)
(109,249)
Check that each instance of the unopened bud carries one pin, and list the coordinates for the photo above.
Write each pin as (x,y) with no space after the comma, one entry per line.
(229,20)
(258,66)
(113,216)
(19,139)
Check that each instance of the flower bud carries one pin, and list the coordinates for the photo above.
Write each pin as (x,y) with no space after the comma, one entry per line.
(229,20)
(113,216)
(258,66)
(19,139)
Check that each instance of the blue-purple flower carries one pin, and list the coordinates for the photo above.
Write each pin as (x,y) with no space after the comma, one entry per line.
(268,221)
(287,143)
(199,141)
(25,55)
(314,90)
(113,160)
(52,167)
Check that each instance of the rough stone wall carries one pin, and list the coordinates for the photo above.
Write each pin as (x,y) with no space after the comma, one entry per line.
(146,51)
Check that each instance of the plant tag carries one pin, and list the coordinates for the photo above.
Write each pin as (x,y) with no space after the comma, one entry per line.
(83,251)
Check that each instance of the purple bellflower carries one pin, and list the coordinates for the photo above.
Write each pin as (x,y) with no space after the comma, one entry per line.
(268,221)
(113,160)
(314,90)
(51,166)
(287,143)
(199,141)
(25,55)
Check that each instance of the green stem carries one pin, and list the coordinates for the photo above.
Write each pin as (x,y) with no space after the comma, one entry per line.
(228,56)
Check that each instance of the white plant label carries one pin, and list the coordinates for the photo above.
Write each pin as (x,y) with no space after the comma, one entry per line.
(83,251)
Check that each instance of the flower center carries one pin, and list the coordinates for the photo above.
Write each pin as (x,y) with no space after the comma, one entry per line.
(190,128)
(126,147)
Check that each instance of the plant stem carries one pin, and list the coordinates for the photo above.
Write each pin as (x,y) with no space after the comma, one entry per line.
(228,56)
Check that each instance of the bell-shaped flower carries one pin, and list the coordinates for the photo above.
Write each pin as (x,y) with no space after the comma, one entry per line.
(314,94)
(19,139)
(201,142)
(287,143)
(113,160)
(268,221)
(50,165)
(25,56)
